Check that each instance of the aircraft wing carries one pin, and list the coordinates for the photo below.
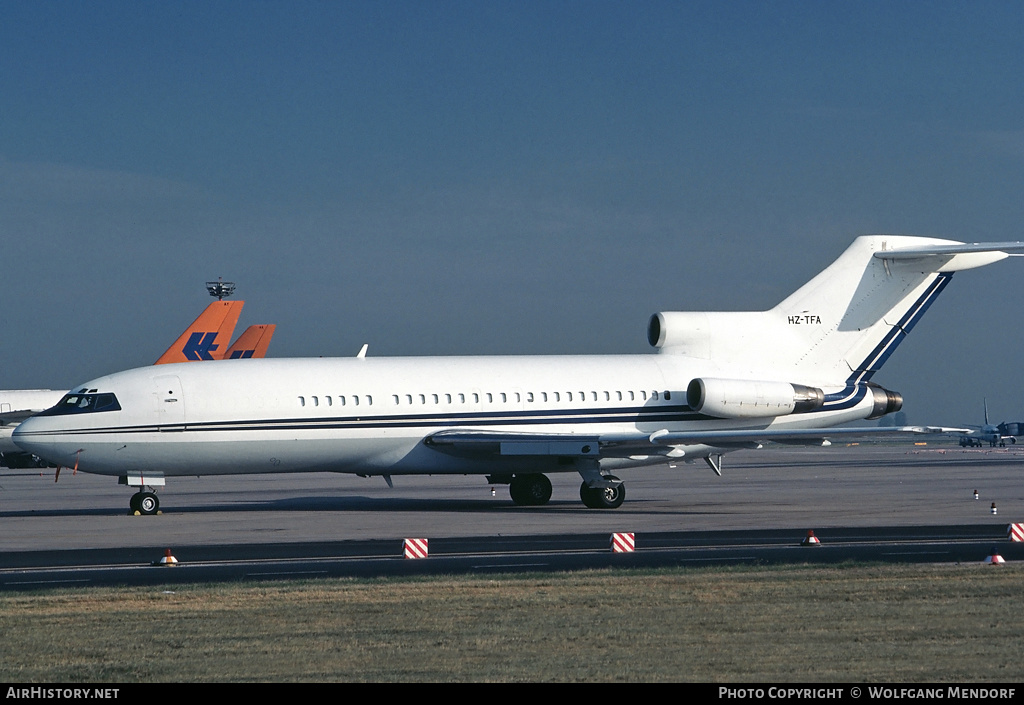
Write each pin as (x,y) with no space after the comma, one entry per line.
(15,417)
(16,405)
(469,442)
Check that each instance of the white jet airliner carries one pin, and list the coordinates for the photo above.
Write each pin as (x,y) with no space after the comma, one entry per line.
(720,382)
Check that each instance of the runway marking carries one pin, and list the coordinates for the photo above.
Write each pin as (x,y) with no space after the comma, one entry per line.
(717,558)
(912,553)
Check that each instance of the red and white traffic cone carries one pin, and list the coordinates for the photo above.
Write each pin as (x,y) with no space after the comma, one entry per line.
(810,539)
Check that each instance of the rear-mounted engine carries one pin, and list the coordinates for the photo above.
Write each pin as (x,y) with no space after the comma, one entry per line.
(886,402)
(742,399)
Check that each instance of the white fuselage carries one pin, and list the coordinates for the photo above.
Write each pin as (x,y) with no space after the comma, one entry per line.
(371,415)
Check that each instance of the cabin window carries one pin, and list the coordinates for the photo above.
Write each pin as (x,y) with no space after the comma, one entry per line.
(462,398)
(668,395)
(302,401)
(476,398)
(529,397)
(395,398)
(316,401)
(504,398)
(654,395)
(490,398)
(369,400)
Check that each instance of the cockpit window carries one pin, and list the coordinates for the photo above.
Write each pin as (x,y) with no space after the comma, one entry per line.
(78,403)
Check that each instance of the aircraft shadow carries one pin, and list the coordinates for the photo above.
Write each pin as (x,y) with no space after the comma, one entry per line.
(320,503)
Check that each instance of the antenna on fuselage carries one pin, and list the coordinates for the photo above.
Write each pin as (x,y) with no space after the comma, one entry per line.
(220,288)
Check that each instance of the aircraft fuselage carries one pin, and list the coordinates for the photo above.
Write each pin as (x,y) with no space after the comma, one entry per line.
(371,415)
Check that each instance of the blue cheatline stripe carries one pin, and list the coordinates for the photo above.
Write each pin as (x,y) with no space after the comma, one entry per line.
(874,361)
(666,414)
(855,390)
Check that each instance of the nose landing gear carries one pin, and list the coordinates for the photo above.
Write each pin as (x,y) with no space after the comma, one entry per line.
(145,503)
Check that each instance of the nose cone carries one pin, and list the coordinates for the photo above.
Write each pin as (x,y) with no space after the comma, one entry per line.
(35,435)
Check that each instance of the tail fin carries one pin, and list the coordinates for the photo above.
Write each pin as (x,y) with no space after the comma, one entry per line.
(208,336)
(253,342)
(839,327)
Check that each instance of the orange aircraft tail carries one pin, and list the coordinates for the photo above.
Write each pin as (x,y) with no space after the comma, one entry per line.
(251,343)
(208,336)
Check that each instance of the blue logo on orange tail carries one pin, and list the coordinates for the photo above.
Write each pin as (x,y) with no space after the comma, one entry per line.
(199,346)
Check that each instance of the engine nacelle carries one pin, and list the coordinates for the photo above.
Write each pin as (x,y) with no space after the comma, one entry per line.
(745,399)
(886,402)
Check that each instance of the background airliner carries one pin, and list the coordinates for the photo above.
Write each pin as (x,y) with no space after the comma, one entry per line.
(206,338)
(720,381)
(986,433)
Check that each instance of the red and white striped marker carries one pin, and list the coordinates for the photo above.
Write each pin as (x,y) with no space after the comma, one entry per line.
(415,548)
(623,543)
(811,539)
(1015,532)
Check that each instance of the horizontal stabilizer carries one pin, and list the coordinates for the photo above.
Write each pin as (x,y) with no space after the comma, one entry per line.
(1015,249)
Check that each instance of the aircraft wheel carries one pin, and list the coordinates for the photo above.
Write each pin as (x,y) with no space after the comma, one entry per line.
(530,490)
(603,498)
(133,503)
(147,503)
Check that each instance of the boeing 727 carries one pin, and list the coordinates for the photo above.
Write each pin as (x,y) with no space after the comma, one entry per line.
(720,381)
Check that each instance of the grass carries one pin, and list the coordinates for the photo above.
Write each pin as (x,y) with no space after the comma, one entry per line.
(939,623)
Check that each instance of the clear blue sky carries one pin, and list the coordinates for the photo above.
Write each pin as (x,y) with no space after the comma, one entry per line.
(498,177)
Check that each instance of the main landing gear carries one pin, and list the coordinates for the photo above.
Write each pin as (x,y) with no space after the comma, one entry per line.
(530,490)
(534,490)
(604,497)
